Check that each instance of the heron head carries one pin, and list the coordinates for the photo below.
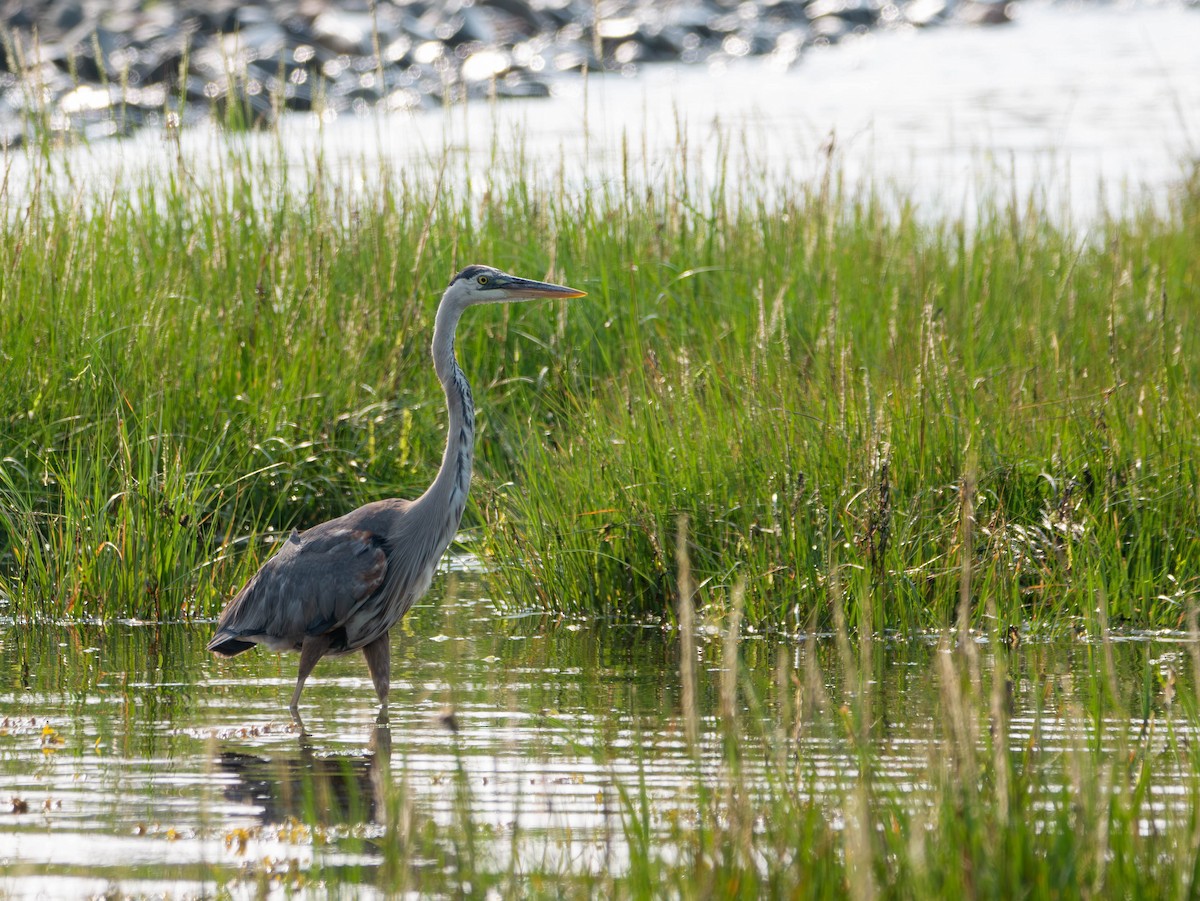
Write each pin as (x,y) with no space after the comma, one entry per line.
(484,284)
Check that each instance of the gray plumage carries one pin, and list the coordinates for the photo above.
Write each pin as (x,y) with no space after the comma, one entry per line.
(341,585)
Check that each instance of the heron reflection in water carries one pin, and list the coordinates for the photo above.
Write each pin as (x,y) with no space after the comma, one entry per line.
(312,787)
(340,586)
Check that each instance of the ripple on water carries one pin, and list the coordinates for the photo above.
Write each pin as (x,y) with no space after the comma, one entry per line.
(191,768)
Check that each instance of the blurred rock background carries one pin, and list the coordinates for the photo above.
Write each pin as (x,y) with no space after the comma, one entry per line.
(97,69)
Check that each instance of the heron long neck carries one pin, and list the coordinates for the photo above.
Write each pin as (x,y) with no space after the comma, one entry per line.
(447,496)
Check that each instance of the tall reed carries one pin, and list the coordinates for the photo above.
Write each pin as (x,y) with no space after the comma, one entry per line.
(238,348)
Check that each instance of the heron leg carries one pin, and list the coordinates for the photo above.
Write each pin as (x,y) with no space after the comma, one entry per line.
(312,649)
(379,662)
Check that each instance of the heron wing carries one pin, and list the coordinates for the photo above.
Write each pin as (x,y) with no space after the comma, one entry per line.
(315,581)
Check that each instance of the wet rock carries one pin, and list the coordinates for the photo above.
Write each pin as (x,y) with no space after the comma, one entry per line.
(65,15)
(505,24)
(789,46)
(829,29)
(785,12)
(925,12)
(988,12)
(241,103)
(160,61)
(105,111)
(293,88)
(519,84)
(244,62)
(854,12)
(344,32)
(11,125)
(485,65)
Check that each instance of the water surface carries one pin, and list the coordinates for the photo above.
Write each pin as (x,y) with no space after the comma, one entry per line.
(1087,107)
(130,757)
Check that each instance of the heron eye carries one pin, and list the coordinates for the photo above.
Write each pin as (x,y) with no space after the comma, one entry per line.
(483,279)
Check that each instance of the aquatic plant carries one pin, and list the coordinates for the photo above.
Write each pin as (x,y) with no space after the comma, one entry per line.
(542,758)
(820,379)
(821,385)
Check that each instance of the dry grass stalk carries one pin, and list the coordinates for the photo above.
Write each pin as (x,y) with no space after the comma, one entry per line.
(687,640)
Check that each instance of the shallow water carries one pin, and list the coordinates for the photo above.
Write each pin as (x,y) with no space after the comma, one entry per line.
(130,757)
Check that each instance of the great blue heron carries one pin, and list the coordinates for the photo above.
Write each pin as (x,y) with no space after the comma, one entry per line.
(341,585)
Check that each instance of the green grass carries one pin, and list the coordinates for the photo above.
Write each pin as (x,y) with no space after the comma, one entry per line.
(1100,812)
(813,383)
(810,373)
